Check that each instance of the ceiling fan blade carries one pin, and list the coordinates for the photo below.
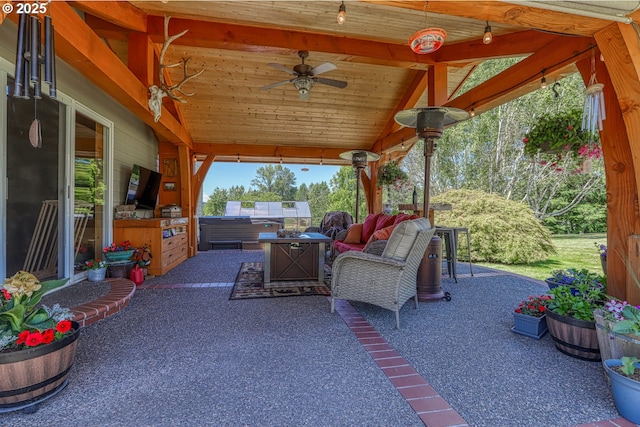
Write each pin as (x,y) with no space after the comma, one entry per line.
(283,68)
(272,85)
(323,68)
(335,83)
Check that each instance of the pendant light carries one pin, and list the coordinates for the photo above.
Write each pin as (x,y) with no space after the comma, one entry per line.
(342,14)
(488,37)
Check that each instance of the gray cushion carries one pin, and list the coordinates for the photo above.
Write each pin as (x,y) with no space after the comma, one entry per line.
(401,240)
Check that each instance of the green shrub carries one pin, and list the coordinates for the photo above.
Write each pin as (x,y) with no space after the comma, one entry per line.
(502,231)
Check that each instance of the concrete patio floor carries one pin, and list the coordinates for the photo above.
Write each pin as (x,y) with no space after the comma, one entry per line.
(182,354)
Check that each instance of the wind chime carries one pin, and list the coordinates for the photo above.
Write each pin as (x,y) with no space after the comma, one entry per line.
(29,61)
(593,112)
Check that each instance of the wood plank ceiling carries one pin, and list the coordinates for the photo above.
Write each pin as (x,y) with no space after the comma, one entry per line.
(234,41)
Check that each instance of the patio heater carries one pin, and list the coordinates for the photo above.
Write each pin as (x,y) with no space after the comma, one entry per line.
(359,160)
(429,123)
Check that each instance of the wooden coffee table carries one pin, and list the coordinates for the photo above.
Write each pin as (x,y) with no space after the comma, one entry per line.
(294,258)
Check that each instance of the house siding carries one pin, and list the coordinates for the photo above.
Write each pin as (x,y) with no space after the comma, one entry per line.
(134,141)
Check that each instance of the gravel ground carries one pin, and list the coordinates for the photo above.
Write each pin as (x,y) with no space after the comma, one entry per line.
(192,357)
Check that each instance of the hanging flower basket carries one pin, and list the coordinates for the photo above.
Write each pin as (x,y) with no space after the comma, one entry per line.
(562,134)
(391,174)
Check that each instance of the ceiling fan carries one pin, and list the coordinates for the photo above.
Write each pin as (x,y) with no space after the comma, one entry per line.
(305,76)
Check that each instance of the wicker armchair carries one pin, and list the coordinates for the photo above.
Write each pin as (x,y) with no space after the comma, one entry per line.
(387,280)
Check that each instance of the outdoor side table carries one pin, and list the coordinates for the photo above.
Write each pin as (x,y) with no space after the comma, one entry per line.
(294,258)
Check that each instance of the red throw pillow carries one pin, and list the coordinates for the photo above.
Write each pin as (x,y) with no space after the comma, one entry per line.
(369,226)
(384,221)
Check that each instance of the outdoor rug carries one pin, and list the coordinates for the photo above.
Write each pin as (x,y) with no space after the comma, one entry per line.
(250,284)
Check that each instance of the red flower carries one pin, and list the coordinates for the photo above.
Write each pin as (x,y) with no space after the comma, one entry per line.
(6,294)
(22,337)
(33,339)
(525,140)
(48,336)
(63,326)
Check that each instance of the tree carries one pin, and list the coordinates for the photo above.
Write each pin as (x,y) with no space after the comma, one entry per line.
(217,202)
(319,201)
(343,193)
(302,194)
(275,179)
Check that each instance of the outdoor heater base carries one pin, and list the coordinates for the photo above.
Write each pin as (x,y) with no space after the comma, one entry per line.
(429,281)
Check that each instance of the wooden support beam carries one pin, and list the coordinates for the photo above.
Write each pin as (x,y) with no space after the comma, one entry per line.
(141,58)
(506,13)
(120,13)
(437,85)
(268,151)
(81,48)
(515,44)
(525,75)
(620,49)
(244,38)
(188,208)
(198,178)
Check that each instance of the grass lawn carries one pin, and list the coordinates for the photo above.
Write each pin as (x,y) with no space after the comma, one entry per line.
(573,251)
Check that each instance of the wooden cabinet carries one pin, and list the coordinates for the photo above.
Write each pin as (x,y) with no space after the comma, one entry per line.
(166,238)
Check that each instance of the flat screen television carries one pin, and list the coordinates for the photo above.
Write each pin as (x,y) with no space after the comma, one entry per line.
(143,188)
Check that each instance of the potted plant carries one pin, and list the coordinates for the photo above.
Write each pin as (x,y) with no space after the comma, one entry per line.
(37,343)
(530,317)
(118,251)
(560,134)
(618,329)
(573,277)
(391,174)
(96,269)
(624,378)
(571,322)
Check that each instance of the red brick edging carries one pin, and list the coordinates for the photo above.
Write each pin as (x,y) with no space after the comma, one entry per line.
(115,300)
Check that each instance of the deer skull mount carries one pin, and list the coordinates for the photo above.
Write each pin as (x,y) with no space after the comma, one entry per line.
(159,92)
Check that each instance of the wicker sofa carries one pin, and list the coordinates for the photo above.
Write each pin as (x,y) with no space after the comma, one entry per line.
(375,227)
(387,280)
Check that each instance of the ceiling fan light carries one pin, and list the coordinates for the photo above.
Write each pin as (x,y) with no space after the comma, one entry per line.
(427,40)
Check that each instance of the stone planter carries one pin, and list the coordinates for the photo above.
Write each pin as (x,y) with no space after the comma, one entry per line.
(28,377)
(530,326)
(574,337)
(612,345)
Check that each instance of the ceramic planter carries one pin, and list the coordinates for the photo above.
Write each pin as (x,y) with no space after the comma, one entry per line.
(118,255)
(530,326)
(574,337)
(28,377)
(626,392)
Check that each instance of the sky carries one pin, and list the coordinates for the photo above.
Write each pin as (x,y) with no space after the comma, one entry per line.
(225,175)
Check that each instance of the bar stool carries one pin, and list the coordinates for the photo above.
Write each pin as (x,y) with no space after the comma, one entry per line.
(450,237)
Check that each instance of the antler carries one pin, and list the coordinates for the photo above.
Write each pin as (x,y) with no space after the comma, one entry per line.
(185,61)
(157,93)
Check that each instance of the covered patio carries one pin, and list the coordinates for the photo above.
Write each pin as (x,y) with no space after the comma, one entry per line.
(183,354)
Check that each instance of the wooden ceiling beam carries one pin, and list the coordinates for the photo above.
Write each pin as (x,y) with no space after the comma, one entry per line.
(255,39)
(515,44)
(120,13)
(505,13)
(82,49)
(219,149)
(504,86)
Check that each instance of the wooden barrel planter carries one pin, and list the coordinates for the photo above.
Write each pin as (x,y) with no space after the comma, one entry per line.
(612,345)
(28,377)
(574,337)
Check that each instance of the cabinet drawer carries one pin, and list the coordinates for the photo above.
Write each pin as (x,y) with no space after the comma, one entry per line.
(173,242)
(177,253)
